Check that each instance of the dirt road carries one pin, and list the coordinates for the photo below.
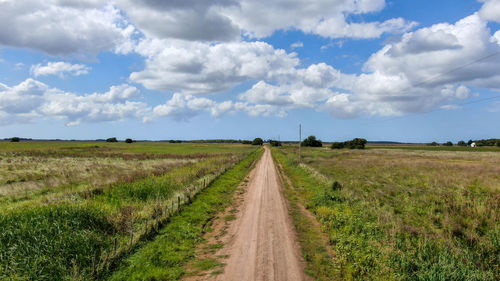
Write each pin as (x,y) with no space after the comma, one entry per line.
(261,243)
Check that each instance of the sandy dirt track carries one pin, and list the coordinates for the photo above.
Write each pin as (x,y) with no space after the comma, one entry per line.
(262,243)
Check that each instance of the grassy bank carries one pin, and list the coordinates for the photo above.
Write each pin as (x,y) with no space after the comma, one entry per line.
(165,257)
(403,215)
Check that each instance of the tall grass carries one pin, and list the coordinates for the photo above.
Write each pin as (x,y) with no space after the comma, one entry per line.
(53,242)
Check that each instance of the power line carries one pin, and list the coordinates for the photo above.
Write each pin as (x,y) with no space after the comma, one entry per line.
(425,81)
(437,109)
(456,69)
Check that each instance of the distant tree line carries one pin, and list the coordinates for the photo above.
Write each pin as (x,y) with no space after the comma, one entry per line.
(17,139)
(275,143)
(221,141)
(487,142)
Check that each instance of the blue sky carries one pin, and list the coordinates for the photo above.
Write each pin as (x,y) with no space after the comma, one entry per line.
(382,70)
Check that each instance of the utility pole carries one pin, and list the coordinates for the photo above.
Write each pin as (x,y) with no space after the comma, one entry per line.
(300,139)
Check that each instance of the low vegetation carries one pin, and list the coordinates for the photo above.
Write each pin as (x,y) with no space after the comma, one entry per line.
(100,201)
(401,214)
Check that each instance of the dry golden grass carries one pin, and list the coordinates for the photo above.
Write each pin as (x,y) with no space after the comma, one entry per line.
(19,175)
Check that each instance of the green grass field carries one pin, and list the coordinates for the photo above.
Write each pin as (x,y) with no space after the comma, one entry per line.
(400,213)
(74,211)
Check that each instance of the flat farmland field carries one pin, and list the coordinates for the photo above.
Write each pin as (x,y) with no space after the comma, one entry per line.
(403,213)
(74,210)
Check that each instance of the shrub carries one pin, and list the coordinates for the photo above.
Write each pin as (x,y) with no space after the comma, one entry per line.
(433,143)
(462,143)
(129,141)
(274,143)
(357,143)
(14,139)
(337,145)
(113,139)
(448,143)
(311,141)
(257,141)
(337,186)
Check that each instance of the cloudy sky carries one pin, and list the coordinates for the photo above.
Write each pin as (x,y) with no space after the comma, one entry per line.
(412,71)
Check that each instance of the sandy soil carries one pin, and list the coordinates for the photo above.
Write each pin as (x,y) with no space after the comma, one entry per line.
(261,241)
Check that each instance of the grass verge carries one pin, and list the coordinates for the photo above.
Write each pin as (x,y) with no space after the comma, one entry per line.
(318,260)
(314,251)
(164,257)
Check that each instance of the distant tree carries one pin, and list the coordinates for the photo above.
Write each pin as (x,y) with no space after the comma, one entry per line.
(246,142)
(462,143)
(356,143)
(129,141)
(274,143)
(469,142)
(15,139)
(257,141)
(113,139)
(433,143)
(498,143)
(448,143)
(311,141)
(337,145)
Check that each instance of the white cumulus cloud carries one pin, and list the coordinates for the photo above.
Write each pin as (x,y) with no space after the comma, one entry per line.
(57,27)
(201,68)
(490,10)
(61,69)
(32,99)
